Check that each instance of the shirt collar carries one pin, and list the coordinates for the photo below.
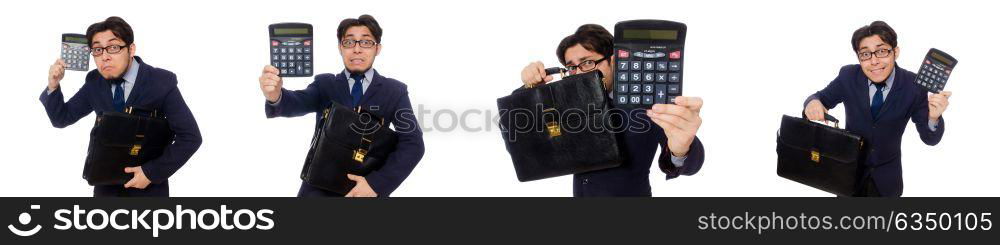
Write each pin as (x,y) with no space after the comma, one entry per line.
(132,72)
(368,74)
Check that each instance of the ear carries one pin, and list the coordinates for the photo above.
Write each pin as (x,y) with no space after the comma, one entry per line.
(895,53)
(378,49)
(131,50)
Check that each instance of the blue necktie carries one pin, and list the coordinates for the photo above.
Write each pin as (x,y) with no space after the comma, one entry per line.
(119,97)
(356,90)
(877,99)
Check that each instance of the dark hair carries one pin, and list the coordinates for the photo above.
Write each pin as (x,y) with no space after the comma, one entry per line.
(592,37)
(363,20)
(878,28)
(116,25)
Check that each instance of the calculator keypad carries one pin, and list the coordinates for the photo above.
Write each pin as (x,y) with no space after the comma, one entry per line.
(293,58)
(76,56)
(644,78)
(933,75)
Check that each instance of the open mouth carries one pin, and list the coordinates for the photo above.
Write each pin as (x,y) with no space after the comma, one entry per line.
(357,61)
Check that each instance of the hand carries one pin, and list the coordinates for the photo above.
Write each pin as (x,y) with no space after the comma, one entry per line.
(937,103)
(270,84)
(680,122)
(361,189)
(534,74)
(139,180)
(56,73)
(816,111)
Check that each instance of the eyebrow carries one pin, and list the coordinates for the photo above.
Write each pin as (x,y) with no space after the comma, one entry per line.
(109,40)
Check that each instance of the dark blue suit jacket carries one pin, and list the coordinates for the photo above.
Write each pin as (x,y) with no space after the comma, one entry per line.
(386,97)
(154,88)
(638,146)
(905,102)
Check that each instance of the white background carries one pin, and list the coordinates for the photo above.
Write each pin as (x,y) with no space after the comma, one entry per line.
(750,61)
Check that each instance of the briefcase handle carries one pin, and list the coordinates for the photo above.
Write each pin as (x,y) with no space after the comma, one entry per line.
(826,116)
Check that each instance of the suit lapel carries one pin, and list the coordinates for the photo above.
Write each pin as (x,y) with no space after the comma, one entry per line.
(893,92)
(372,88)
(138,86)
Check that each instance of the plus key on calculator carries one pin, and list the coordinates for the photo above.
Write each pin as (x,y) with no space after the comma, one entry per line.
(649,62)
(291,49)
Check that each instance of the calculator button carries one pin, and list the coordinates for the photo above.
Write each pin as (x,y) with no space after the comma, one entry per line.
(308,71)
(674,77)
(635,88)
(636,76)
(623,65)
(309,64)
(647,77)
(647,99)
(661,66)
(647,65)
(671,99)
(622,54)
(307,43)
(674,66)
(661,77)
(622,99)
(634,99)
(661,93)
(284,71)
(308,57)
(676,55)
(307,50)
(674,89)
(275,43)
(636,65)
(648,88)
(622,88)
(623,76)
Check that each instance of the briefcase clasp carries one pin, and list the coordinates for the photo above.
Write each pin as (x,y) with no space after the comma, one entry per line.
(135,150)
(815,156)
(553,128)
(359,155)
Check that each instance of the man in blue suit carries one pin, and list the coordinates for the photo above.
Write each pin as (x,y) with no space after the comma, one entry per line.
(358,85)
(673,130)
(879,97)
(124,80)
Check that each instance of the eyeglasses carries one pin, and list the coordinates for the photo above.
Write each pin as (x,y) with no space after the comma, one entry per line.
(881,53)
(584,66)
(348,43)
(112,49)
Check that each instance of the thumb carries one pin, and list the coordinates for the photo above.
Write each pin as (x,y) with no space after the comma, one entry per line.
(130,183)
(354,177)
(131,169)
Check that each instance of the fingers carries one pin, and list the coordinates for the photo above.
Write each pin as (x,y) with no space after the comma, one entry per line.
(354,177)
(131,169)
(670,121)
(947,94)
(692,103)
(132,183)
(676,110)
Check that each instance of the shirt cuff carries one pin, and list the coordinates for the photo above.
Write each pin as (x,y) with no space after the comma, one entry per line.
(275,103)
(677,161)
(932,125)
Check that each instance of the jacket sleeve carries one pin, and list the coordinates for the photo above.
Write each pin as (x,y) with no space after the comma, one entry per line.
(186,142)
(409,150)
(296,103)
(63,114)
(692,163)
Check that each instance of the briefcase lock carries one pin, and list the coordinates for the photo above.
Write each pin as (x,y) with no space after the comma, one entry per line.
(326,112)
(815,156)
(553,128)
(135,150)
(359,155)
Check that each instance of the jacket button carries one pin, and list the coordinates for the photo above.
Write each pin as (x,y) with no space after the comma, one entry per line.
(586,181)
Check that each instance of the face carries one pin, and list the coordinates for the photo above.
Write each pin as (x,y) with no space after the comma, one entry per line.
(875,68)
(112,66)
(358,59)
(577,54)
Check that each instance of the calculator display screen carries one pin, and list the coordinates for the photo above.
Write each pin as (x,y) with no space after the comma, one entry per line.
(944,60)
(75,39)
(650,34)
(291,31)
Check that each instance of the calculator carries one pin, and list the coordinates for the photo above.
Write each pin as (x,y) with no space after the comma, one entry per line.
(935,70)
(292,49)
(649,62)
(75,52)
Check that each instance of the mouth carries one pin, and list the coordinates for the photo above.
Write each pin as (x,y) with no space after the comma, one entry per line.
(877,70)
(357,61)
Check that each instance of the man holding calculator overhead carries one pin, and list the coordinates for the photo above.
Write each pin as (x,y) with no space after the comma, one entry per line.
(879,97)
(358,85)
(673,130)
(123,80)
